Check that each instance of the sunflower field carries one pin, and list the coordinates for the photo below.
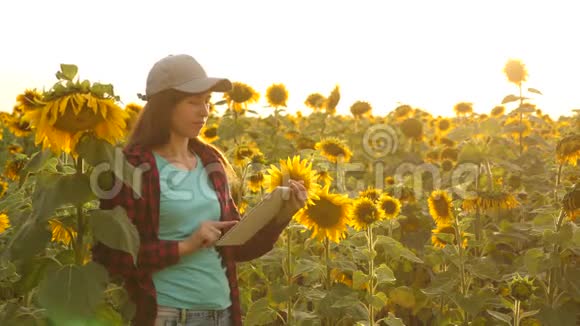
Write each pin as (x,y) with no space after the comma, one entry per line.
(411,219)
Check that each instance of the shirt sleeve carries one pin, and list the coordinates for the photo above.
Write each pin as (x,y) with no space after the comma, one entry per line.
(261,243)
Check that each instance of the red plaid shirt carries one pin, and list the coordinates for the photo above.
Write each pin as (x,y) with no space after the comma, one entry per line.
(156,254)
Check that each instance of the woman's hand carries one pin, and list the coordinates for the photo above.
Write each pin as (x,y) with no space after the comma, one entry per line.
(295,201)
(205,236)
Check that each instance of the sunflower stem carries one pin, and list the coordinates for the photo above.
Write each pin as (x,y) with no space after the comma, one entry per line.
(552,274)
(489,175)
(370,242)
(328,283)
(558,176)
(517,305)
(459,241)
(521,118)
(289,271)
(81,223)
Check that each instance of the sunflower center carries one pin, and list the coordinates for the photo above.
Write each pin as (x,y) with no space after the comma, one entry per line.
(334,149)
(325,214)
(444,125)
(366,213)
(210,132)
(86,119)
(441,207)
(389,207)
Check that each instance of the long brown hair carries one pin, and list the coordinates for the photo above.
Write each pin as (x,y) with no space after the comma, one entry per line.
(153,126)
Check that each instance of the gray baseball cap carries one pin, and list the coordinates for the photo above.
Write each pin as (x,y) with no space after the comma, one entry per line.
(183,73)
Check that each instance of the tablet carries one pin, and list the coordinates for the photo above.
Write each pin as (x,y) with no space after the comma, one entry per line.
(256,218)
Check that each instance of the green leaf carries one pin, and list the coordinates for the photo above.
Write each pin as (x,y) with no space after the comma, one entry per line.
(533,90)
(33,271)
(222,102)
(471,153)
(260,313)
(68,71)
(30,240)
(391,320)
(533,260)
(510,98)
(403,296)
(38,161)
(106,315)
(395,249)
(303,266)
(379,300)
(114,229)
(359,279)
(73,291)
(75,189)
(500,316)
(484,268)
(384,274)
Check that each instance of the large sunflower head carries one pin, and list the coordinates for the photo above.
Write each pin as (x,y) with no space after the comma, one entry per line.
(277,95)
(490,200)
(74,108)
(568,150)
(4,222)
(295,169)
(327,216)
(315,101)
(360,109)
(391,206)
(515,71)
(240,96)
(364,213)
(440,207)
(333,148)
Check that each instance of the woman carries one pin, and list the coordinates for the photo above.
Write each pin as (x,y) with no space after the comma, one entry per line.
(183,208)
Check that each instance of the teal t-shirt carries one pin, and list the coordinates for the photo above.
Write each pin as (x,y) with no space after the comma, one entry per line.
(197,281)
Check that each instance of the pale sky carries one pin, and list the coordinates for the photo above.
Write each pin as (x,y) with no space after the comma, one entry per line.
(429,54)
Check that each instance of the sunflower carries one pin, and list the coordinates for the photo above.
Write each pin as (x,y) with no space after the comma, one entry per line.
(256,181)
(332,148)
(244,153)
(277,95)
(463,108)
(571,203)
(332,100)
(3,188)
(4,222)
(133,110)
(389,180)
(446,142)
(323,178)
(371,193)
(391,206)
(438,242)
(568,150)
(295,169)
(360,109)
(315,101)
(449,153)
(486,200)
(14,148)
(209,133)
(515,71)
(521,288)
(444,125)
(402,112)
(412,128)
(326,216)
(513,127)
(364,213)
(440,207)
(29,100)
(240,96)
(13,167)
(60,232)
(447,165)
(305,142)
(17,125)
(497,111)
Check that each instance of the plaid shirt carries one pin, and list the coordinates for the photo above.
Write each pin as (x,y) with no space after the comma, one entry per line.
(156,254)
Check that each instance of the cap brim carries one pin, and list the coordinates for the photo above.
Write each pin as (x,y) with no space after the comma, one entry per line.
(205,84)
